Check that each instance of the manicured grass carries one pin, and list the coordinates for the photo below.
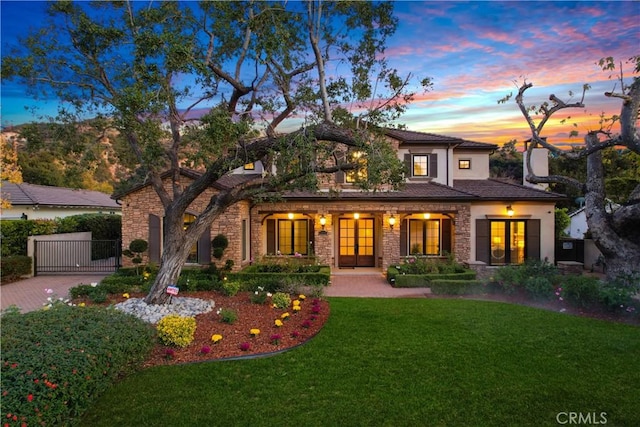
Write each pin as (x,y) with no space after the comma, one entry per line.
(403,362)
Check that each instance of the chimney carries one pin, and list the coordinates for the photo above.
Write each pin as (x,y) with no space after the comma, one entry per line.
(539,164)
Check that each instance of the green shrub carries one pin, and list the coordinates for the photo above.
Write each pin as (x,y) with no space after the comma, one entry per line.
(403,280)
(539,287)
(276,282)
(457,287)
(14,267)
(219,244)
(281,300)
(259,296)
(618,295)
(228,315)
(65,357)
(230,287)
(176,330)
(512,278)
(16,233)
(580,291)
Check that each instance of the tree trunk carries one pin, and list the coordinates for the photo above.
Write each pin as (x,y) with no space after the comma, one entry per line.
(177,244)
(168,274)
(620,251)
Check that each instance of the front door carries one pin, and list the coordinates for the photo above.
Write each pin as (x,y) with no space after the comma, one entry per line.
(356,243)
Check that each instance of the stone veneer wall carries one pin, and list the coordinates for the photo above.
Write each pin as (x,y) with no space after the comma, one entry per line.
(137,206)
(387,245)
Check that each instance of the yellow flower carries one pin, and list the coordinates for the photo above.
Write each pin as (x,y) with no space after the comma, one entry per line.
(278,322)
(284,315)
(297,308)
(81,304)
(216,337)
(302,297)
(254,332)
(296,302)
(126,295)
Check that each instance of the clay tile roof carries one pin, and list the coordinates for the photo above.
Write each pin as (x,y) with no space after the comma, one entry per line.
(432,191)
(31,194)
(413,137)
(493,189)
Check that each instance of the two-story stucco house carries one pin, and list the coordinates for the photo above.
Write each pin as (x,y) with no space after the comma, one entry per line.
(449,205)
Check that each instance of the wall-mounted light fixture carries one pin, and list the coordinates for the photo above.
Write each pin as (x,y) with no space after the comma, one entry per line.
(509,211)
(356,216)
(427,215)
(291,216)
(323,221)
(392,221)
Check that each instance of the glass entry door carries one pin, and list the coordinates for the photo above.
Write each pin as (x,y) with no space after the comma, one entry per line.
(356,243)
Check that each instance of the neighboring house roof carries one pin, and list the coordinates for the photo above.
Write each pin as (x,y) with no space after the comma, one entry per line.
(413,137)
(30,194)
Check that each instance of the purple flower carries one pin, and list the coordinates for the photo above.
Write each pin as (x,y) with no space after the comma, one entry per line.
(295,334)
(205,349)
(245,346)
(306,324)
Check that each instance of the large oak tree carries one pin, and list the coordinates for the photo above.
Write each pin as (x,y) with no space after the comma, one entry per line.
(151,69)
(615,230)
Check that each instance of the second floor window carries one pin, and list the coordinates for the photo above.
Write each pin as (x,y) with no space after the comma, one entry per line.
(360,174)
(464,164)
(420,165)
(250,166)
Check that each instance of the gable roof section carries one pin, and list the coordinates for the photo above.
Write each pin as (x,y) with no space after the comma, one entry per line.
(421,138)
(31,194)
(494,189)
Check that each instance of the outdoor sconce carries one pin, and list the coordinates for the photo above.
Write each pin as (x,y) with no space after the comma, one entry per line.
(509,211)
(427,216)
(323,222)
(356,216)
(392,221)
(290,216)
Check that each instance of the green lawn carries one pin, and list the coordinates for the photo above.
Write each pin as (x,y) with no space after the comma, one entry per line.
(404,362)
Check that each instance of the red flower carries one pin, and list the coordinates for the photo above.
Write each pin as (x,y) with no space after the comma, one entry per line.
(30,397)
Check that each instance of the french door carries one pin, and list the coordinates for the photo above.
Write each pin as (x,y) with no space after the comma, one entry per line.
(356,243)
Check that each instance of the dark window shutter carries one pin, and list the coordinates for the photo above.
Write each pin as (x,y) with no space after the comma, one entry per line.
(403,237)
(483,235)
(340,174)
(408,165)
(154,238)
(271,236)
(533,239)
(446,236)
(433,165)
(204,248)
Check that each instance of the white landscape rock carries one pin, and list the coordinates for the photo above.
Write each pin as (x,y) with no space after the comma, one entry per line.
(152,313)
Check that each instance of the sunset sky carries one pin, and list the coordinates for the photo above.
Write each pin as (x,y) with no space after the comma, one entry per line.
(476,52)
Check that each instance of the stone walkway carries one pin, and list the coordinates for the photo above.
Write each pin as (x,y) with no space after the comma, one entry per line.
(30,294)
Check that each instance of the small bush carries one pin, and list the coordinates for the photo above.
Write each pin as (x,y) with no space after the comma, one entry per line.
(259,296)
(581,291)
(539,287)
(230,287)
(281,300)
(14,267)
(228,315)
(176,330)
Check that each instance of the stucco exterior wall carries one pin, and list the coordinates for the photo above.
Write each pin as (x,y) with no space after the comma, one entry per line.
(522,210)
(479,165)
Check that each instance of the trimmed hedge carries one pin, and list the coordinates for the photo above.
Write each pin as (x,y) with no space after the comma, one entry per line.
(398,280)
(457,287)
(272,282)
(13,268)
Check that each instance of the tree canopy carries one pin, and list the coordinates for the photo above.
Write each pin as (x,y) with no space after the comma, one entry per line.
(208,86)
(616,232)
